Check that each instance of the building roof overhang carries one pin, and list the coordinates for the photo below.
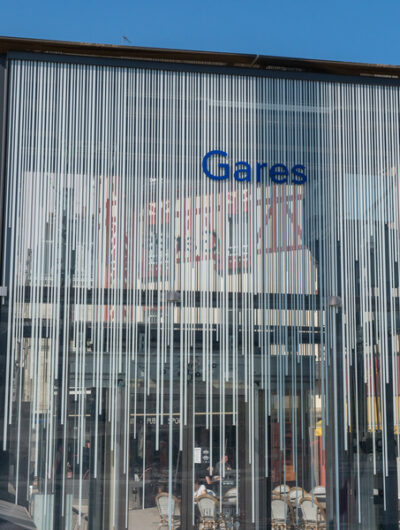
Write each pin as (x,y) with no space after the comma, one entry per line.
(190,57)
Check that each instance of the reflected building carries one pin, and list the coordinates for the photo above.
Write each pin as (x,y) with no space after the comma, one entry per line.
(166,334)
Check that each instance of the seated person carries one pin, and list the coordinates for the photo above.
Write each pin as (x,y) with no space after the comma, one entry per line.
(200,489)
(219,466)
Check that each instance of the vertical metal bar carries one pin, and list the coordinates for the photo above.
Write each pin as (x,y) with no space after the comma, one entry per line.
(4,457)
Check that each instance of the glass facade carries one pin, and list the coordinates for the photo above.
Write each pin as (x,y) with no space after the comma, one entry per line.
(188,351)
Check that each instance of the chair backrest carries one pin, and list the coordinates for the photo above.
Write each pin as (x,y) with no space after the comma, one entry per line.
(279,509)
(295,494)
(162,501)
(282,488)
(319,490)
(208,506)
(311,510)
(230,496)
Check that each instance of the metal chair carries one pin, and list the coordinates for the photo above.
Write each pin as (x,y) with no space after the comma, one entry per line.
(162,501)
(208,507)
(320,493)
(282,514)
(294,496)
(281,489)
(229,501)
(313,514)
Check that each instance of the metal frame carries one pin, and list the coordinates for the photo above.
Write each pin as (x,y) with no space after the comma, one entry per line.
(3,145)
(3,137)
(222,60)
(274,71)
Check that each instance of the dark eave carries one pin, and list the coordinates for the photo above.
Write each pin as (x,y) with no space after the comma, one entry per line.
(236,60)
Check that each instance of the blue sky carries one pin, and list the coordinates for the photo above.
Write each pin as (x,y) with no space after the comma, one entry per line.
(352,30)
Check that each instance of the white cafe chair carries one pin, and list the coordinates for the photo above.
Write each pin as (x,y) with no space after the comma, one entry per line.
(296,494)
(313,514)
(228,504)
(208,507)
(320,493)
(162,502)
(282,514)
(282,489)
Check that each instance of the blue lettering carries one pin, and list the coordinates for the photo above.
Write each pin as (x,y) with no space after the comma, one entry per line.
(297,171)
(246,170)
(278,170)
(225,174)
(278,173)
(258,170)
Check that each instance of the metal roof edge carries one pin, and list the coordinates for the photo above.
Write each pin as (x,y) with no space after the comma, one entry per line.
(221,59)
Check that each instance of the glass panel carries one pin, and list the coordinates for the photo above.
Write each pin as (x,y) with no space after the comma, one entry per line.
(183,350)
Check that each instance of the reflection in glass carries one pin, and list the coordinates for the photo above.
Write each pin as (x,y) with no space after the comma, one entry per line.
(186,351)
